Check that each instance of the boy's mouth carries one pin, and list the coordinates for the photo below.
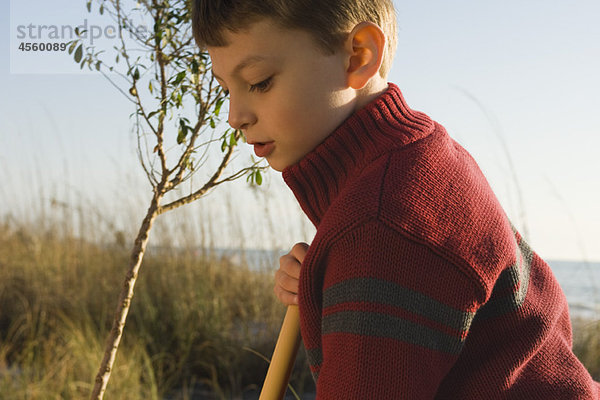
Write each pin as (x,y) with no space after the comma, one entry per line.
(263,149)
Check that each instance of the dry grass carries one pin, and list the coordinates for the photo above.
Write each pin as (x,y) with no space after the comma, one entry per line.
(190,322)
(586,345)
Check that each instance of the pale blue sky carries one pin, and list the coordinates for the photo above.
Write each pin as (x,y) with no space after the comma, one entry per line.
(524,70)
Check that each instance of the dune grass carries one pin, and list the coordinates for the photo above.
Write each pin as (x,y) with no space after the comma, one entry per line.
(586,345)
(195,324)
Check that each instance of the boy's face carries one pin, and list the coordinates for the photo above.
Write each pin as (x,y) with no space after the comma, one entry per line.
(286,94)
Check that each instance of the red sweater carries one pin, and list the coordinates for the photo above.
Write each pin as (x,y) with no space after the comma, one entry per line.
(416,286)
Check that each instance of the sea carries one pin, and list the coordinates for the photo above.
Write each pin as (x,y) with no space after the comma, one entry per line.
(580,280)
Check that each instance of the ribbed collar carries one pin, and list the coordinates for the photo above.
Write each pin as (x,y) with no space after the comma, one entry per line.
(381,126)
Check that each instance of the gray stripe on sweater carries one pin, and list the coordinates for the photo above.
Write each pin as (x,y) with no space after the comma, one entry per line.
(315,356)
(315,359)
(387,326)
(369,290)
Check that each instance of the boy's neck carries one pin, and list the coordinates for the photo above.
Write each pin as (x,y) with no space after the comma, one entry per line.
(375,88)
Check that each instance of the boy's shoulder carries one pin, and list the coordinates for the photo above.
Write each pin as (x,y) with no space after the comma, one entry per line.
(431,191)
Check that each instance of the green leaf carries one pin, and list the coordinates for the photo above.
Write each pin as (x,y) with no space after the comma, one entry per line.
(186,162)
(79,53)
(89,5)
(72,46)
(150,86)
(219,105)
(194,66)
(212,123)
(183,131)
(178,78)
(181,134)
(98,65)
(102,9)
(136,74)
(258,178)
(232,140)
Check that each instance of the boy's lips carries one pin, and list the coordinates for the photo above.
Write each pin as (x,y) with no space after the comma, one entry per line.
(263,149)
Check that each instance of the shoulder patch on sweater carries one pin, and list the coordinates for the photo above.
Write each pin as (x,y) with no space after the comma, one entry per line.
(511,287)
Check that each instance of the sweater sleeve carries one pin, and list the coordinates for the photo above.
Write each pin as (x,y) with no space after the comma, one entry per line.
(395,316)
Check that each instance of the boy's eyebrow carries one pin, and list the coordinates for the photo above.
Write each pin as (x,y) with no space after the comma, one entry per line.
(246,62)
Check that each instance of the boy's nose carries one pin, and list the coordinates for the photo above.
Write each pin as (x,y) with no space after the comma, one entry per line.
(240,117)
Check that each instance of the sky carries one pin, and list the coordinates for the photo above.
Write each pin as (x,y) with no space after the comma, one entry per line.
(515,82)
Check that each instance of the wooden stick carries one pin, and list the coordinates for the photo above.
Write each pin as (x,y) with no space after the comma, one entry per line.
(284,357)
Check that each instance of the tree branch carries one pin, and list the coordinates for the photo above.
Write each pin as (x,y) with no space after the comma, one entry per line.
(241,173)
(163,97)
(200,192)
(153,181)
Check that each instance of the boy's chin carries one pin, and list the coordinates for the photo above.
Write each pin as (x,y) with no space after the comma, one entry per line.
(279,163)
(277,167)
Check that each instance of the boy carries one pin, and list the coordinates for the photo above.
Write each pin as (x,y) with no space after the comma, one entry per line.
(416,285)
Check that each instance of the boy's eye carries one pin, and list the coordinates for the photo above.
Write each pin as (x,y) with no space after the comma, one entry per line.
(261,86)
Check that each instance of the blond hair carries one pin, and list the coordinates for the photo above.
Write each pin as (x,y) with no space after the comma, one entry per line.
(329,21)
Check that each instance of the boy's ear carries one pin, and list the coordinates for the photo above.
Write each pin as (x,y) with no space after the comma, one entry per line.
(365,46)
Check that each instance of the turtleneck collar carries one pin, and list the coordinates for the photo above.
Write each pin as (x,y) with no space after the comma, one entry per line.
(385,124)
